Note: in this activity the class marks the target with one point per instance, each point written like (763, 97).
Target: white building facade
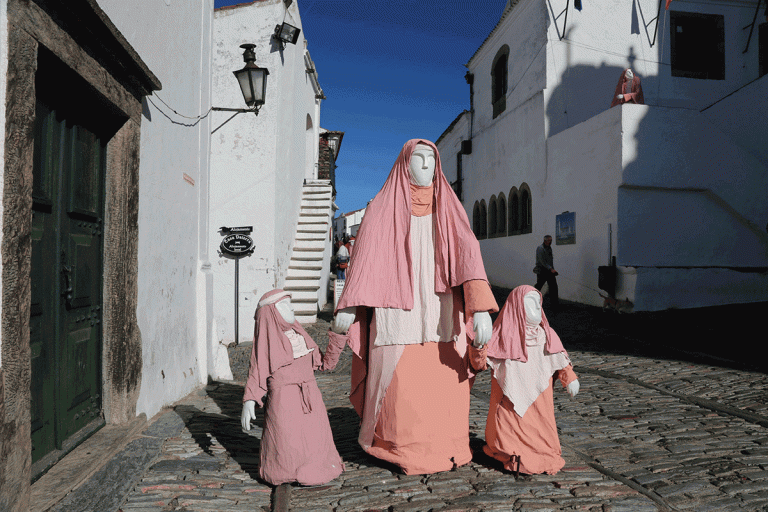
(672, 189)
(264, 168)
(106, 267)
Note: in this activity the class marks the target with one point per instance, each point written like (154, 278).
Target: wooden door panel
(65, 326)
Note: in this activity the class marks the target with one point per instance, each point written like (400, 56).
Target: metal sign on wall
(236, 241)
(565, 228)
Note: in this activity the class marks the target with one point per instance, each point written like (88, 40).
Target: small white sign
(338, 288)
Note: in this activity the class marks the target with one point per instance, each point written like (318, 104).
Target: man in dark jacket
(545, 270)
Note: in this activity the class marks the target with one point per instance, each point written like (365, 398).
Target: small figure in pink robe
(524, 353)
(297, 443)
(416, 290)
(628, 90)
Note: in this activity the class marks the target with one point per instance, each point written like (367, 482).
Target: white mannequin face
(422, 165)
(285, 308)
(532, 305)
(629, 75)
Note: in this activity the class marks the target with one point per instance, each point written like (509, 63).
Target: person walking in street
(545, 270)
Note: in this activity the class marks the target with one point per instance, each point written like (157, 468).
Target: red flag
(668, 2)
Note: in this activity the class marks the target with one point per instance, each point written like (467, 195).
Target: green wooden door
(65, 323)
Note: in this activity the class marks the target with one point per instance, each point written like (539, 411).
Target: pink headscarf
(271, 347)
(380, 271)
(636, 94)
(508, 338)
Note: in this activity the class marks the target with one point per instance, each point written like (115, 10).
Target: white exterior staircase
(308, 271)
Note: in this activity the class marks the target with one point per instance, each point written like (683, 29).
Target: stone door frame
(79, 34)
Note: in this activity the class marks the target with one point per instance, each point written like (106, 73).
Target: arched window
(526, 215)
(514, 212)
(492, 212)
(483, 220)
(499, 81)
(476, 219)
(501, 225)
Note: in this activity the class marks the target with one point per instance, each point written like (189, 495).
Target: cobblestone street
(643, 434)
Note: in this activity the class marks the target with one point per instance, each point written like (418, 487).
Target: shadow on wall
(583, 92)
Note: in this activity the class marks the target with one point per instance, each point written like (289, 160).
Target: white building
(673, 189)
(264, 170)
(106, 264)
(348, 223)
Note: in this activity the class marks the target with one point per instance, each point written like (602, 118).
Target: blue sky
(392, 71)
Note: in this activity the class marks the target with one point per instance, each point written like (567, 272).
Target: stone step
(306, 203)
(306, 319)
(316, 190)
(301, 284)
(311, 237)
(309, 245)
(311, 210)
(304, 298)
(303, 273)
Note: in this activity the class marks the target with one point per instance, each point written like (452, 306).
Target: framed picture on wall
(565, 230)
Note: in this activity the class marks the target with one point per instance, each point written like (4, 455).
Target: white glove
(573, 388)
(620, 96)
(483, 328)
(343, 320)
(249, 414)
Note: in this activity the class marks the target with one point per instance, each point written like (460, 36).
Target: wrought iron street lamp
(253, 84)
(252, 78)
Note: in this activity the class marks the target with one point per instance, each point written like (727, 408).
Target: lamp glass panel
(245, 86)
(259, 80)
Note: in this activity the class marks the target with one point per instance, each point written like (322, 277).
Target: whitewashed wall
(657, 186)
(449, 145)
(600, 42)
(511, 149)
(3, 72)
(174, 40)
(258, 163)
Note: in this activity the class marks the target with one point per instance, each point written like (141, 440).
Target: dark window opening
(698, 45)
(492, 217)
(499, 81)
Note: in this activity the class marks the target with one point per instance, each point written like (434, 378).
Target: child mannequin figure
(296, 444)
(524, 353)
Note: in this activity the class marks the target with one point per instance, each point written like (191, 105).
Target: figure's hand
(620, 96)
(249, 414)
(343, 320)
(573, 388)
(483, 328)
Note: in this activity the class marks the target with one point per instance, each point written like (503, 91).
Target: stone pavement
(656, 426)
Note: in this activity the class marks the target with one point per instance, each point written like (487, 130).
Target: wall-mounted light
(253, 84)
(252, 78)
(286, 33)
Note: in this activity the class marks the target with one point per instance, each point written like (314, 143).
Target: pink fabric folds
(271, 347)
(380, 271)
(634, 95)
(508, 338)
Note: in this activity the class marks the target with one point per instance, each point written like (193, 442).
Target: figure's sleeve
(336, 344)
(478, 357)
(253, 391)
(566, 375)
(478, 297)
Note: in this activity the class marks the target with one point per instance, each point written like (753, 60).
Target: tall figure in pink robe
(524, 354)
(416, 287)
(297, 443)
